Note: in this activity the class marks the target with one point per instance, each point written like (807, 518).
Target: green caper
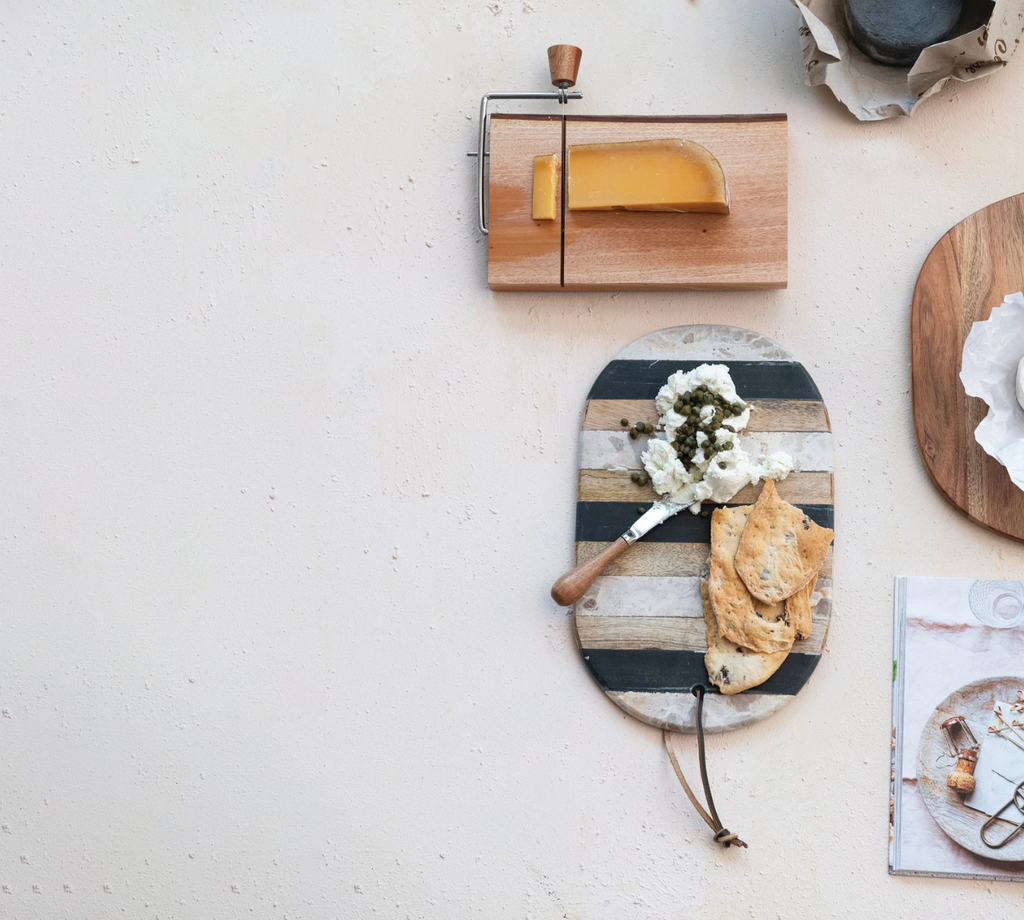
(633, 434)
(687, 397)
(722, 464)
(705, 514)
(708, 399)
(678, 405)
(624, 422)
(727, 445)
(644, 479)
(691, 441)
(640, 509)
(635, 477)
(674, 445)
(649, 428)
(685, 410)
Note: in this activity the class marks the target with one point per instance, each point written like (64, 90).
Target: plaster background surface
(283, 486)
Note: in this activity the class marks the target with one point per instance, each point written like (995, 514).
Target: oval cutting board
(640, 627)
(966, 274)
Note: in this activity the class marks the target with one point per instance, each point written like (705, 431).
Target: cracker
(742, 619)
(781, 548)
(798, 608)
(733, 668)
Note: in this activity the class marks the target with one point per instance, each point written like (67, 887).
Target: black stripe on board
(602, 522)
(753, 379)
(664, 670)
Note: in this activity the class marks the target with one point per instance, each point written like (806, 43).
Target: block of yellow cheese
(663, 175)
(545, 187)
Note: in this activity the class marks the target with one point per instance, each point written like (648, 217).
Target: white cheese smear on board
(715, 477)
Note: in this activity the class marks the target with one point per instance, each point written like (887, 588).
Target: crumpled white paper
(873, 91)
(992, 351)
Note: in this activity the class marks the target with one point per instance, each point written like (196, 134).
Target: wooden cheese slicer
(633, 226)
(564, 64)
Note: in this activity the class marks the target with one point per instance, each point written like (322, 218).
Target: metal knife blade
(660, 511)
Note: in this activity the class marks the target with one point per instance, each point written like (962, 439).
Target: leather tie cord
(722, 835)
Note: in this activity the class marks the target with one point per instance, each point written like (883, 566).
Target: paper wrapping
(873, 91)
(992, 351)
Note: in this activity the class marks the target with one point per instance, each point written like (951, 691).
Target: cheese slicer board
(968, 272)
(640, 627)
(639, 250)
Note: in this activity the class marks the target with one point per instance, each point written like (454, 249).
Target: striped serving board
(640, 627)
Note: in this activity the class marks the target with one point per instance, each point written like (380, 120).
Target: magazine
(958, 729)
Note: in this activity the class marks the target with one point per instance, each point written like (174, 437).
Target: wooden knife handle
(573, 585)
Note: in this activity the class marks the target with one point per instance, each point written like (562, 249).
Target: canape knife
(573, 584)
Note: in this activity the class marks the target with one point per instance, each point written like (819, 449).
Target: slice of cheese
(545, 187)
(663, 175)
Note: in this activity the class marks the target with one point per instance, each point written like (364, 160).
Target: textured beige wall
(283, 485)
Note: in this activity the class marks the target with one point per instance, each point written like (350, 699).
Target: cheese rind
(545, 187)
(661, 175)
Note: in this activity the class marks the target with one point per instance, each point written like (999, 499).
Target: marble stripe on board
(678, 711)
(615, 450)
(754, 380)
(652, 596)
(676, 670)
(707, 343)
(597, 521)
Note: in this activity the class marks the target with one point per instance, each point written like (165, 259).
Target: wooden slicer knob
(564, 63)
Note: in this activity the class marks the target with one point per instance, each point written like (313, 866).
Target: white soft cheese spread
(719, 467)
(1020, 383)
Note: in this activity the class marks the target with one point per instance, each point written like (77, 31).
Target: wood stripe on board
(754, 379)
(645, 558)
(767, 415)
(607, 520)
(664, 670)
(679, 633)
(810, 488)
(615, 450)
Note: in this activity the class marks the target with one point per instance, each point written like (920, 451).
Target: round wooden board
(968, 272)
(640, 627)
(962, 824)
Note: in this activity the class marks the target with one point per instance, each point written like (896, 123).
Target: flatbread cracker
(742, 619)
(731, 667)
(781, 548)
(798, 608)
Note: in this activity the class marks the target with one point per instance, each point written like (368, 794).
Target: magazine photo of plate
(962, 818)
(957, 754)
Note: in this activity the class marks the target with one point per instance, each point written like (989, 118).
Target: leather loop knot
(722, 834)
